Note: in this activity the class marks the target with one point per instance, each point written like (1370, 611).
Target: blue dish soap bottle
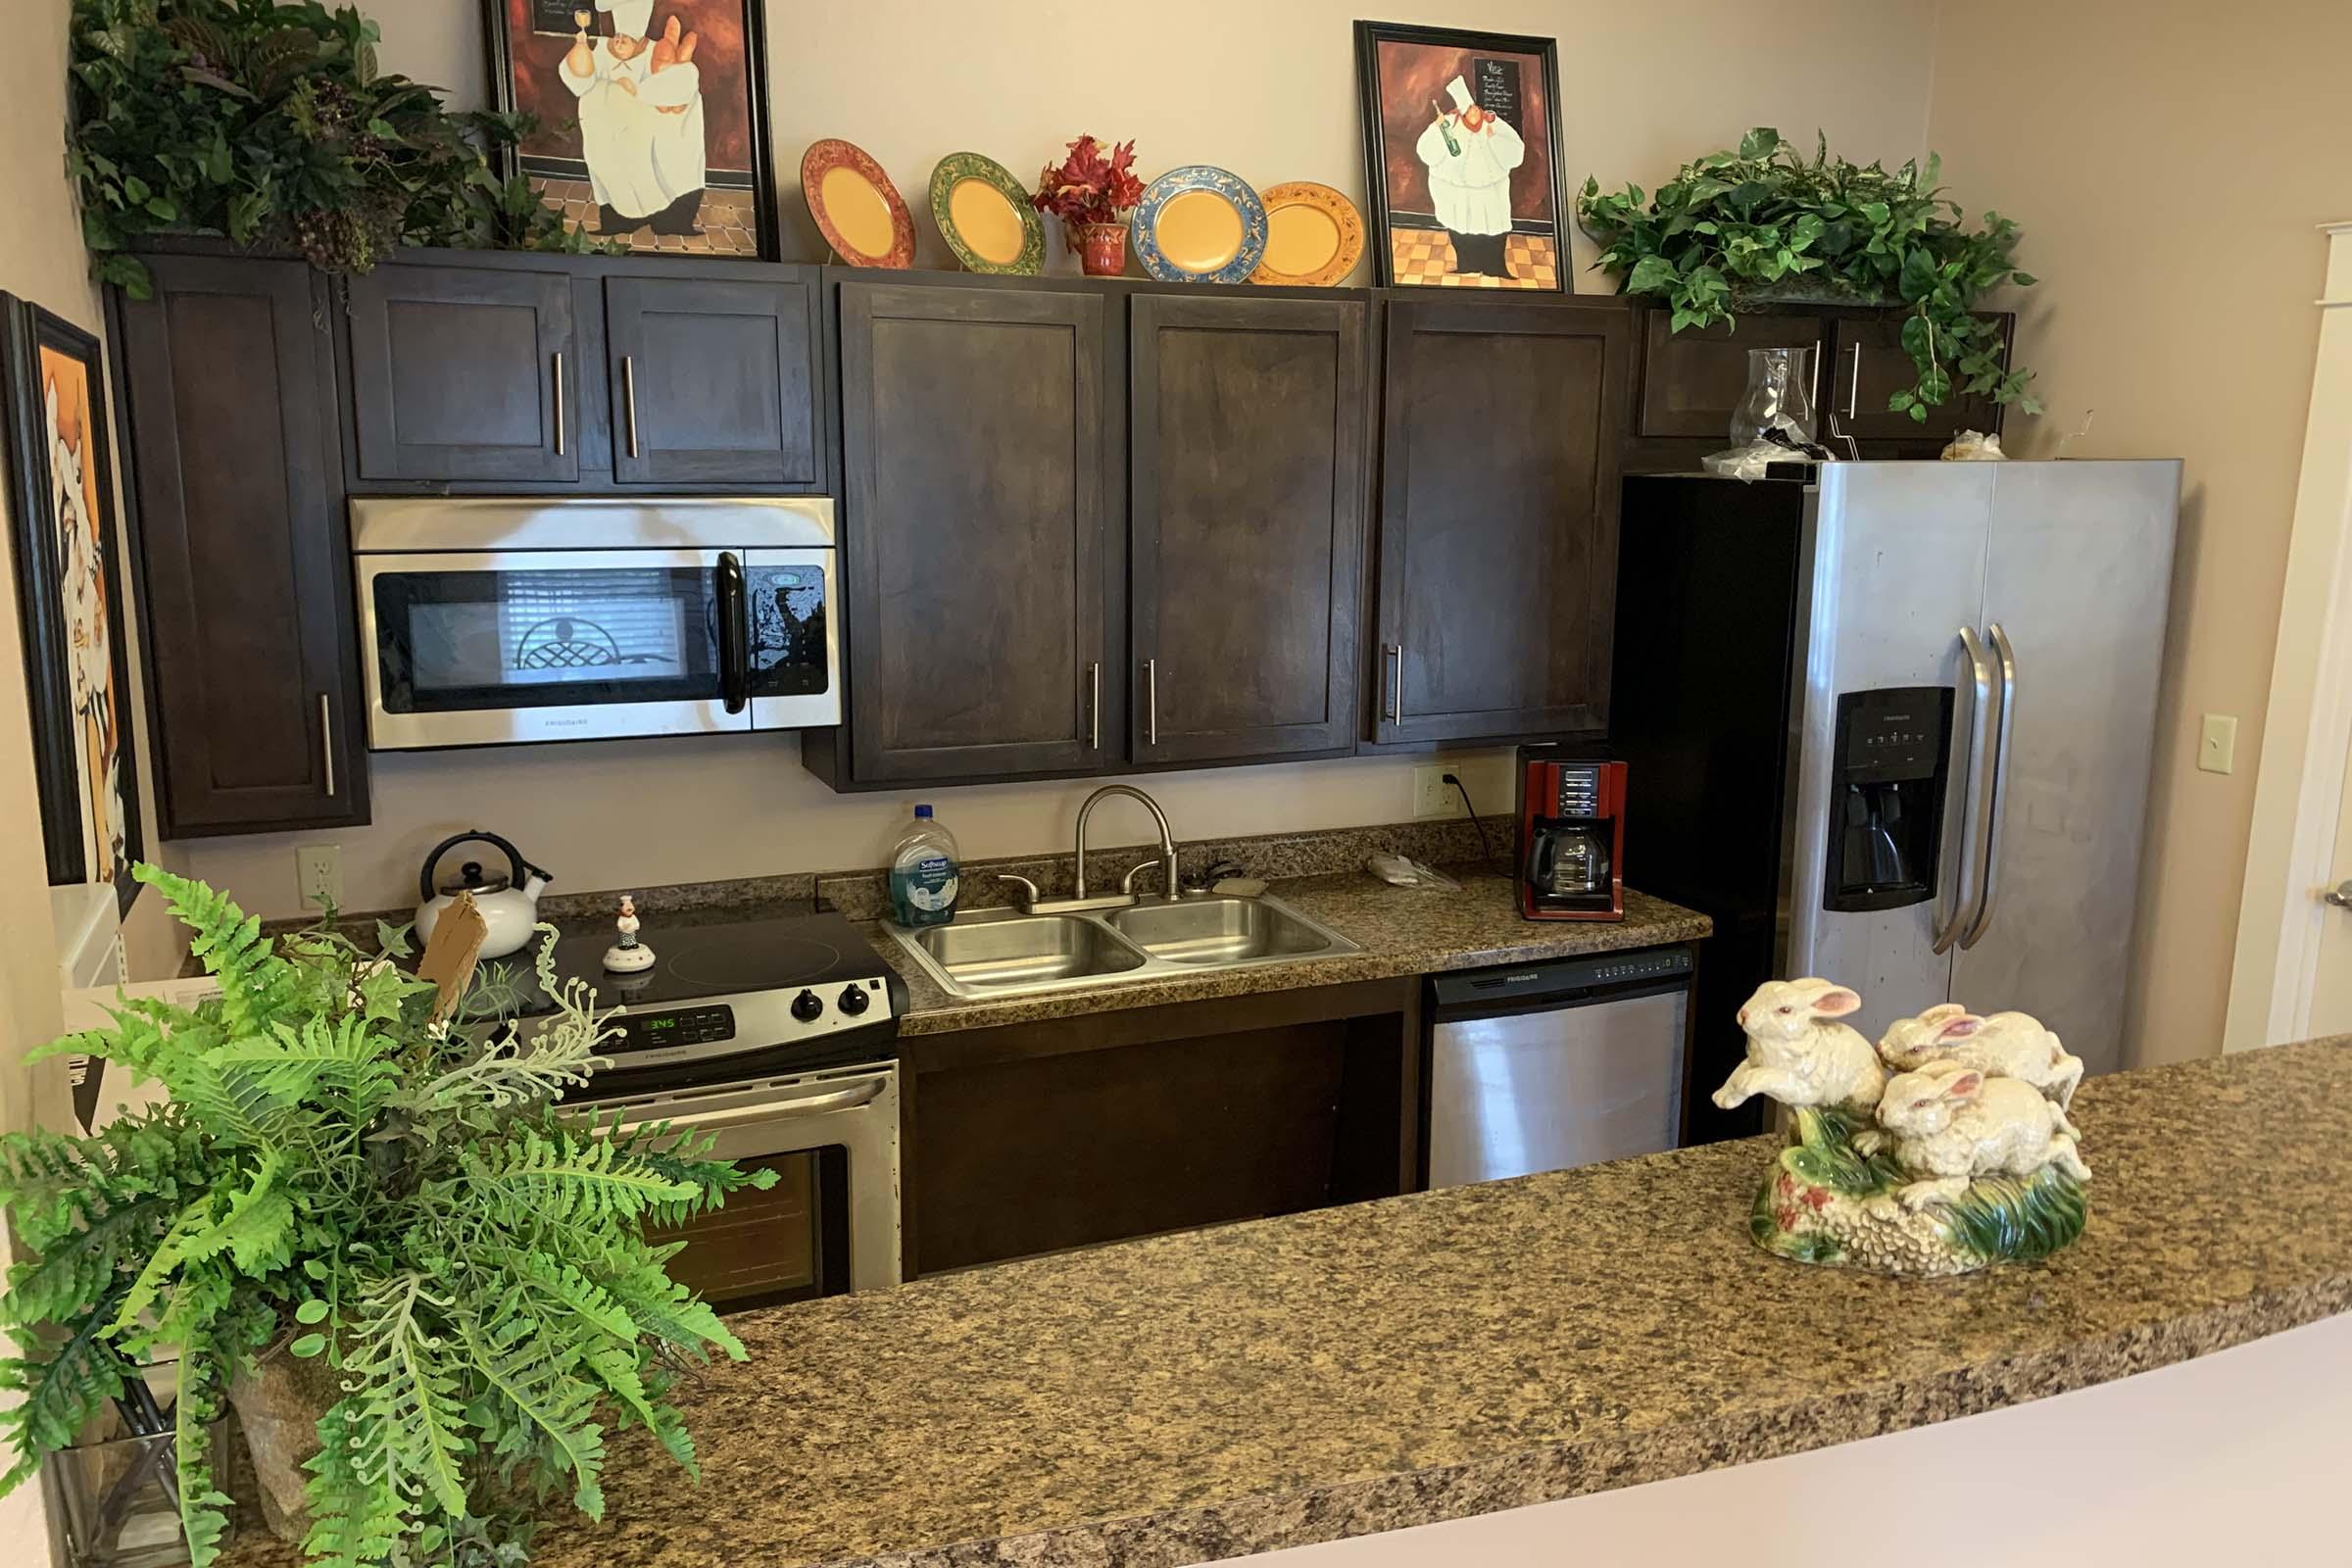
(922, 874)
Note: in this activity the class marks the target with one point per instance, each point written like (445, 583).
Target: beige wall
(2168, 160)
(1270, 95)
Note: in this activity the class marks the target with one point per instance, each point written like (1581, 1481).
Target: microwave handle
(734, 635)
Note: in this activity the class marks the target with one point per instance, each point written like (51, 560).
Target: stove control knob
(853, 1000)
(807, 1006)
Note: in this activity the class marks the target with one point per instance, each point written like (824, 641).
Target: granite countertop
(1402, 931)
(1351, 1370)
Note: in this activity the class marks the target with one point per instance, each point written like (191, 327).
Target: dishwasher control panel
(1564, 977)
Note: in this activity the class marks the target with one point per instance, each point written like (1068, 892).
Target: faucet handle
(1127, 882)
(1028, 895)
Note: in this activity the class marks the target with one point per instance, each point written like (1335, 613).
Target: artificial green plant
(270, 123)
(1765, 222)
(336, 1174)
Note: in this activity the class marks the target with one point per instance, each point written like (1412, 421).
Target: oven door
(477, 648)
(795, 676)
(829, 1225)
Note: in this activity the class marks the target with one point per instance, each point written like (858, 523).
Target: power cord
(1484, 847)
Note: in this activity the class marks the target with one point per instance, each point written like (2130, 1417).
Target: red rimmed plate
(857, 207)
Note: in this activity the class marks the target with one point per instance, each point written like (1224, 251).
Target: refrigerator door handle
(1975, 801)
(1990, 854)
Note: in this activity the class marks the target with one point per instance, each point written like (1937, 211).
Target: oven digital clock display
(660, 1030)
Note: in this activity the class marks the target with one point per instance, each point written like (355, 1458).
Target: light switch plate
(2217, 744)
(319, 875)
(1433, 797)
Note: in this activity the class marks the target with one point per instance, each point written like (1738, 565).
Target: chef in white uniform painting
(1470, 154)
(641, 121)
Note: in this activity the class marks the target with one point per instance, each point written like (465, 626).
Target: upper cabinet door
(1498, 518)
(972, 434)
(1246, 530)
(1693, 380)
(713, 381)
(1868, 364)
(236, 474)
(467, 374)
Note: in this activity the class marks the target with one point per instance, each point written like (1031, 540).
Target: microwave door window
(455, 641)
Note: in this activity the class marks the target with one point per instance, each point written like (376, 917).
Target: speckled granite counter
(1352, 1370)
(1402, 931)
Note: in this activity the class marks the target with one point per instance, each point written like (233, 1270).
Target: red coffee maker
(1571, 821)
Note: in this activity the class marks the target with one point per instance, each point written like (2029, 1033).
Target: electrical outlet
(2217, 744)
(1433, 797)
(319, 873)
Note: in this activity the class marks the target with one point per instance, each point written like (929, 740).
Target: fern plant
(335, 1174)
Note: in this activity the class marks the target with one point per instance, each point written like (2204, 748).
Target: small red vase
(1103, 249)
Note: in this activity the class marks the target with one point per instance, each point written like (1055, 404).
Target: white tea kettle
(509, 900)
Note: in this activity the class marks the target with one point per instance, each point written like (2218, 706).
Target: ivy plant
(333, 1174)
(271, 124)
(1765, 222)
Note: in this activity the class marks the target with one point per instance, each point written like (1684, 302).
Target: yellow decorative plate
(984, 216)
(1314, 236)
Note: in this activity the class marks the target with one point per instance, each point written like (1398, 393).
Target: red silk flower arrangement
(1089, 187)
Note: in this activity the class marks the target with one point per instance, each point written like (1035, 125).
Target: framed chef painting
(1462, 157)
(650, 117)
(76, 669)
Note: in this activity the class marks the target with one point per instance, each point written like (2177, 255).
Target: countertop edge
(1607, 1461)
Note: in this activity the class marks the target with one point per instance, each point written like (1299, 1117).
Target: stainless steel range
(780, 1037)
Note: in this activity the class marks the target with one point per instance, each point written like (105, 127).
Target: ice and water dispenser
(1887, 794)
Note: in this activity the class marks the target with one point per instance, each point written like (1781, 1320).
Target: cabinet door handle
(1392, 663)
(1151, 702)
(1853, 384)
(1094, 706)
(628, 398)
(327, 740)
(559, 402)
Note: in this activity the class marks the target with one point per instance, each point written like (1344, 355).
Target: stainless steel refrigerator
(1894, 727)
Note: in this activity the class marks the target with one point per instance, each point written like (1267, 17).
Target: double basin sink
(996, 953)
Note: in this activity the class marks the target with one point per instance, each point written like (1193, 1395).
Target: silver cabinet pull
(1975, 801)
(1151, 702)
(1853, 384)
(628, 398)
(1990, 856)
(327, 740)
(1392, 665)
(559, 402)
(2339, 894)
(1094, 706)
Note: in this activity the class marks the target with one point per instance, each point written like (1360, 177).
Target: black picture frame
(767, 220)
(36, 549)
(1369, 35)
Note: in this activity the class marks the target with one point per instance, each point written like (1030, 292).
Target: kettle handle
(519, 866)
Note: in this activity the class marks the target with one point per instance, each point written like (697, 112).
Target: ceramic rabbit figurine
(2007, 1045)
(1952, 1124)
(1799, 1055)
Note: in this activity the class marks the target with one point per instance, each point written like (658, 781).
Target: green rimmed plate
(985, 217)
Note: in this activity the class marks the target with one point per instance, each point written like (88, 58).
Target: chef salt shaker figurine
(628, 954)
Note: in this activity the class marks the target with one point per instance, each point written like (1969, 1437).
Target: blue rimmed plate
(1199, 224)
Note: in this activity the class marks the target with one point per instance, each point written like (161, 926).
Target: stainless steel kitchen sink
(998, 952)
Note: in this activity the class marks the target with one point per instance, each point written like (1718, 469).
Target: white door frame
(2308, 728)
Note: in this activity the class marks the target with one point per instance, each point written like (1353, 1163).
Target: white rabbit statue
(1952, 1123)
(2007, 1045)
(1800, 1053)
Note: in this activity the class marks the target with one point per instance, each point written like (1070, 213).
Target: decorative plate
(1314, 236)
(857, 207)
(984, 215)
(1199, 224)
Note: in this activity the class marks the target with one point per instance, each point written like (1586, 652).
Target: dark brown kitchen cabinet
(1692, 380)
(236, 470)
(1867, 363)
(1247, 490)
(466, 373)
(714, 381)
(1497, 536)
(974, 499)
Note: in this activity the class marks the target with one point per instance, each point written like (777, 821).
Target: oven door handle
(854, 1097)
(734, 635)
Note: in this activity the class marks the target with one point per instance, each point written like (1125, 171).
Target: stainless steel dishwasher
(1561, 1063)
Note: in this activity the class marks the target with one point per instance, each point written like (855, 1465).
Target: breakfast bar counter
(1352, 1370)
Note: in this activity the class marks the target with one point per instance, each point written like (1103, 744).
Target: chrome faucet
(1167, 841)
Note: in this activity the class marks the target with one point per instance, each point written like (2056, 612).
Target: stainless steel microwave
(487, 622)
